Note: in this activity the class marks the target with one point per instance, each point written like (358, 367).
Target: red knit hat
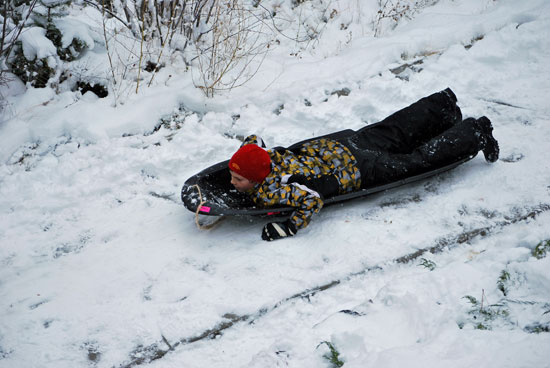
(251, 162)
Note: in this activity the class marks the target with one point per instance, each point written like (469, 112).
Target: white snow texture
(102, 266)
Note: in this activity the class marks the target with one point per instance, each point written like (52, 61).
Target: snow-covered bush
(36, 49)
(541, 249)
(34, 57)
(223, 42)
(13, 18)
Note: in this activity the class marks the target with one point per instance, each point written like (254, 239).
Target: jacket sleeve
(325, 185)
(305, 202)
(253, 139)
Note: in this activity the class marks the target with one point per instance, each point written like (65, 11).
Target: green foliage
(69, 53)
(333, 355)
(98, 89)
(485, 316)
(17, 3)
(537, 328)
(541, 249)
(37, 72)
(44, 12)
(471, 299)
(482, 316)
(481, 326)
(502, 281)
(430, 265)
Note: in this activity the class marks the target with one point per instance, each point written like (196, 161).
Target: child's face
(241, 183)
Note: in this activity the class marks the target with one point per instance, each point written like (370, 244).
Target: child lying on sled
(424, 136)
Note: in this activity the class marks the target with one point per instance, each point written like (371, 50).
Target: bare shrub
(391, 12)
(149, 28)
(228, 56)
(227, 38)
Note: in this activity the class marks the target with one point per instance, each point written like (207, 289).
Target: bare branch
(104, 10)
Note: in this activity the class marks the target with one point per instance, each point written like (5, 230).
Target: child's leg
(458, 142)
(412, 126)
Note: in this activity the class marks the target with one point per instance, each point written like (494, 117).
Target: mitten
(278, 230)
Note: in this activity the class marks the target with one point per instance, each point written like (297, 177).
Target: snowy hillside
(102, 266)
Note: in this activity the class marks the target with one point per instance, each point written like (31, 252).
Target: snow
(35, 44)
(72, 28)
(100, 264)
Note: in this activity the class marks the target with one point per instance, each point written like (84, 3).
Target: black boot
(450, 93)
(489, 143)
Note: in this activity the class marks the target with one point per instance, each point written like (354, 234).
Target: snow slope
(102, 266)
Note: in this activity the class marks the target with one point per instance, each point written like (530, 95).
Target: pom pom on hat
(251, 162)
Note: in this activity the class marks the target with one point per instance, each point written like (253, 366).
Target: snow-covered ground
(101, 265)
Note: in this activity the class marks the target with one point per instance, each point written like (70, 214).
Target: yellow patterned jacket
(314, 159)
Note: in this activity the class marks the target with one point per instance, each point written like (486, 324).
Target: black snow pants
(424, 136)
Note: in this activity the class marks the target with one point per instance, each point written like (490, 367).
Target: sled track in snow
(146, 354)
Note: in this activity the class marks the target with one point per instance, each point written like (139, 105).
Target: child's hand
(278, 230)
